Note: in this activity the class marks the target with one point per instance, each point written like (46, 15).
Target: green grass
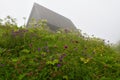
(39, 54)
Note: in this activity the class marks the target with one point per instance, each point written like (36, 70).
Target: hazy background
(94, 17)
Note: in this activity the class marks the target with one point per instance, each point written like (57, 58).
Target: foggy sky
(94, 17)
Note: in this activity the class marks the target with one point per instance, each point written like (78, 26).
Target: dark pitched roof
(54, 20)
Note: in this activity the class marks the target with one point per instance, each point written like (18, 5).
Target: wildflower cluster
(18, 33)
(38, 54)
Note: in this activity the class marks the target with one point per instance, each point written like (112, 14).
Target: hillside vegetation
(40, 54)
(117, 47)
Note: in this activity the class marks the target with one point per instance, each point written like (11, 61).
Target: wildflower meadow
(38, 53)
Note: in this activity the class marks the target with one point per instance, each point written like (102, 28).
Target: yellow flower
(85, 60)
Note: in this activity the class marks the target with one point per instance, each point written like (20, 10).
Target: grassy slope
(38, 54)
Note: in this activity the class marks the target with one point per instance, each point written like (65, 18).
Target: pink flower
(65, 47)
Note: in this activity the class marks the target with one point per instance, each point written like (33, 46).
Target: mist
(94, 17)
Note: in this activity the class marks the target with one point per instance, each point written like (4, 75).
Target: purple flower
(65, 47)
(61, 57)
(39, 49)
(58, 65)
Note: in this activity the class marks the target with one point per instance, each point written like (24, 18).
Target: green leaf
(25, 51)
(65, 77)
(15, 59)
(21, 77)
